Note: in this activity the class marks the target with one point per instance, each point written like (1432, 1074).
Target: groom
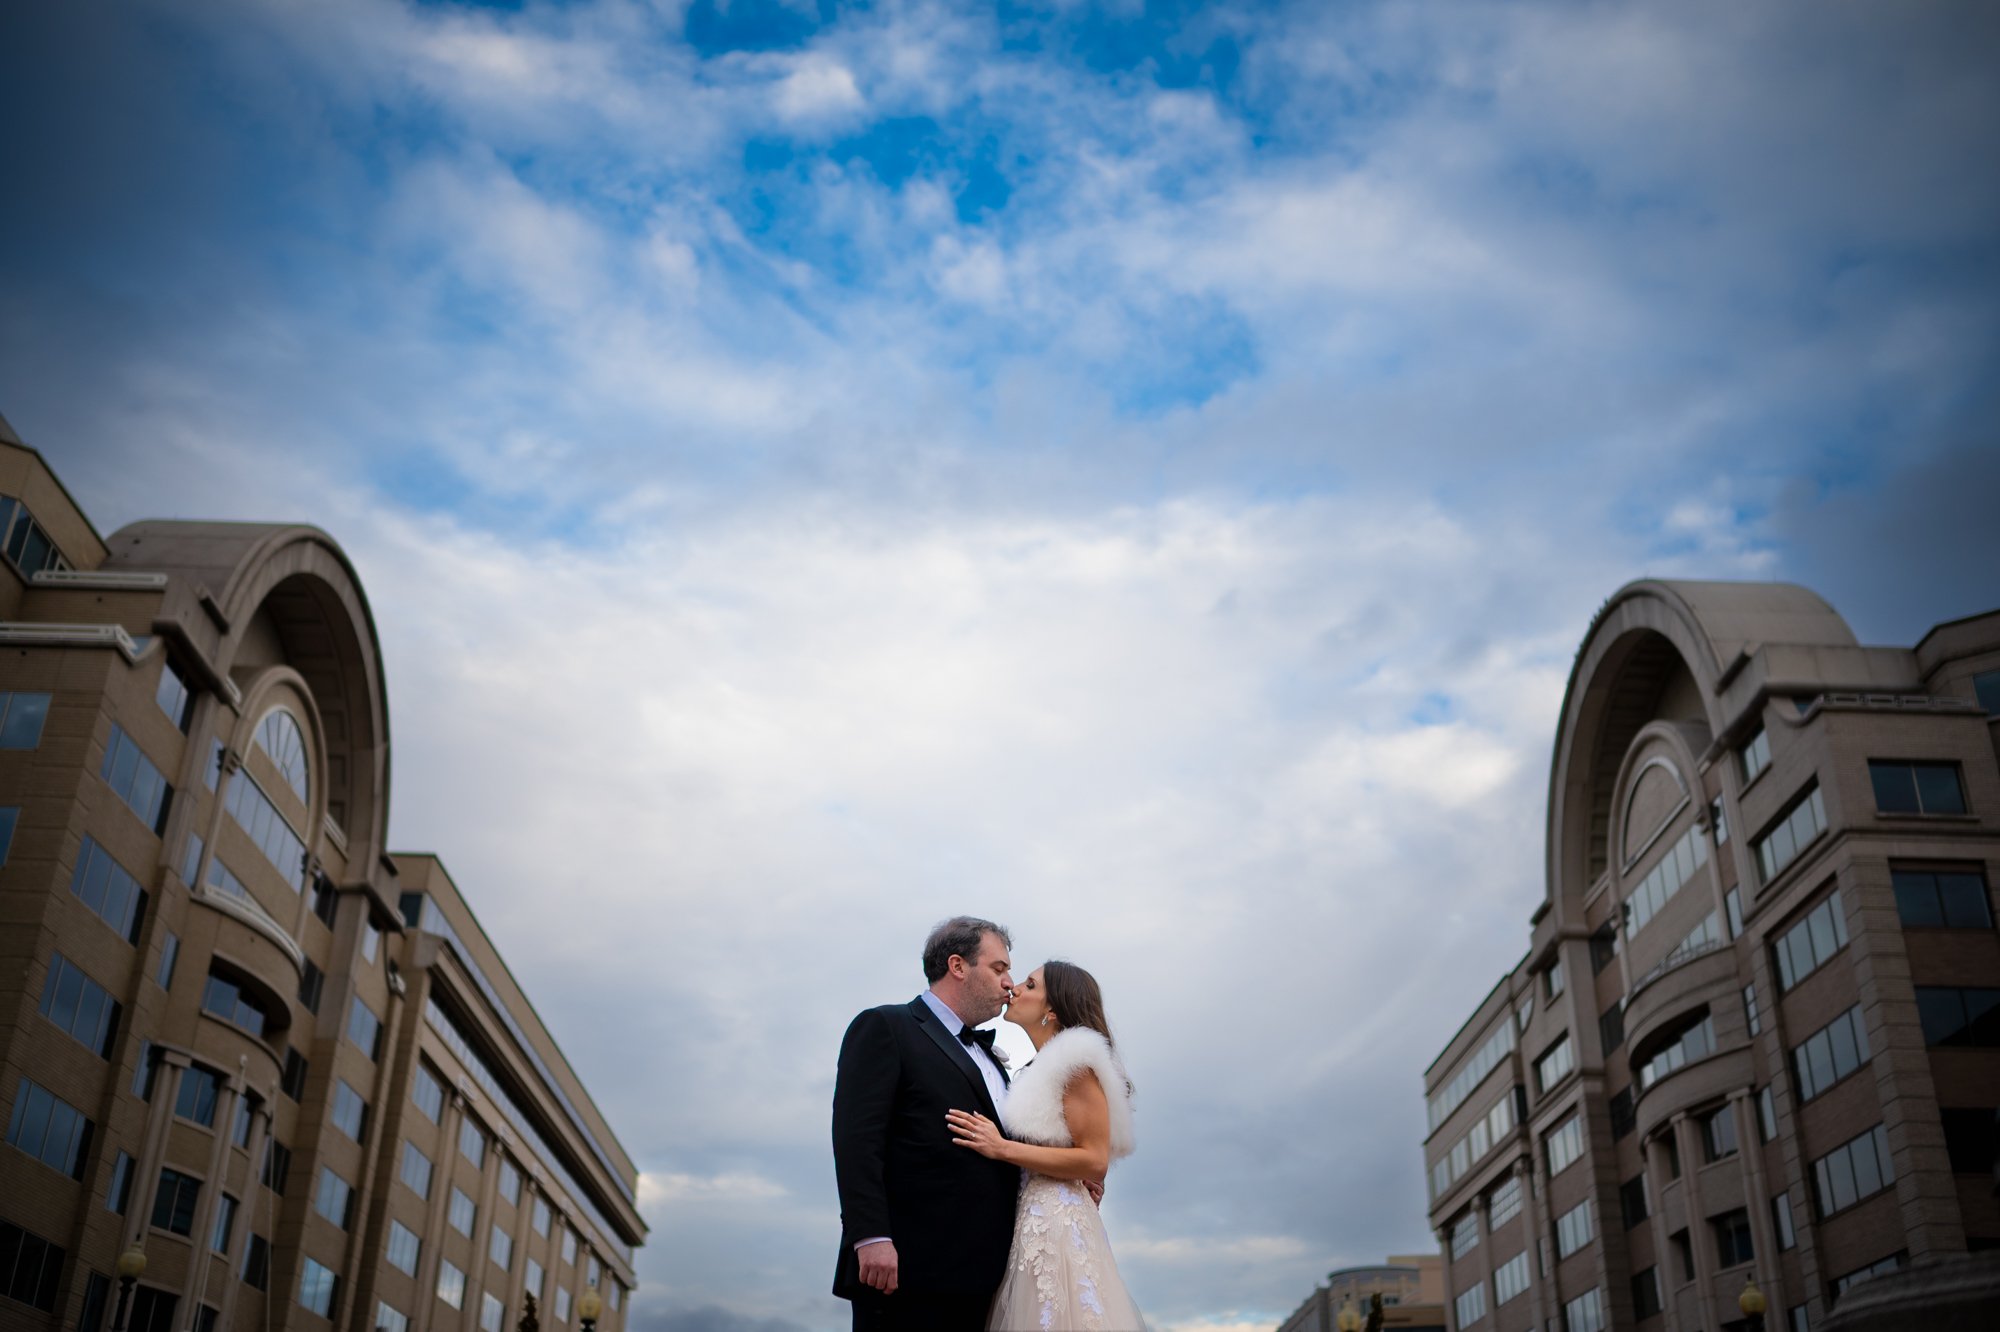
(925, 1226)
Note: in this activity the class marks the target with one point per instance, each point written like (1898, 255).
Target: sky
(1138, 472)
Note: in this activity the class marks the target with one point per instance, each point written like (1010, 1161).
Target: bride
(1069, 1115)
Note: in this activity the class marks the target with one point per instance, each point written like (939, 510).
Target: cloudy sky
(1137, 471)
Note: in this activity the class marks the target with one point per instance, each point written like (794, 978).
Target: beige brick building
(236, 1032)
(1756, 1034)
(1411, 1287)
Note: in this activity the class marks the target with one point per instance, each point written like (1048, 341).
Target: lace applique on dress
(1061, 1276)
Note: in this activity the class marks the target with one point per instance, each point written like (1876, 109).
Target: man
(925, 1225)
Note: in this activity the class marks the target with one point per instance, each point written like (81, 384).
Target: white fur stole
(1034, 1110)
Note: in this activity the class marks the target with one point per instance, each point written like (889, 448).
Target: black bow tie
(976, 1036)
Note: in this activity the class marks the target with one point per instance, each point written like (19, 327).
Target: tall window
(21, 718)
(49, 1129)
(260, 819)
(1471, 1305)
(316, 1287)
(130, 774)
(9, 816)
(1830, 1054)
(1804, 948)
(1857, 1169)
(462, 1211)
(428, 1094)
(333, 1198)
(1573, 1229)
(1754, 756)
(416, 1170)
(1504, 1203)
(1585, 1313)
(350, 1112)
(1646, 1293)
(1564, 1144)
(364, 1028)
(1916, 788)
(1718, 1133)
(174, 1202)
(451, 1284)
(1677, 865)
(403, 1248)
(279, 736)
(1803, 821)
(173, 697)
(1634, 1200)
(1554, 1065)
(1464, 1235)
(101, 884)
(1732, 1238)
(1510, 1278)
(196, 1101)
(79, 1006)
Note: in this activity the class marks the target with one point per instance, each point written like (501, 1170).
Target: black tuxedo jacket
(949, 1210)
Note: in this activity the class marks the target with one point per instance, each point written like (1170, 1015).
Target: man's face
(988, 980)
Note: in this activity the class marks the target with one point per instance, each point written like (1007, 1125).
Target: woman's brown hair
(1076, 1000)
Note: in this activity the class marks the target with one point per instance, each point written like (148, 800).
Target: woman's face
(1030, 1001)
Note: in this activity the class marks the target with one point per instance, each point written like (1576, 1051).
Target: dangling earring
(1045, 1019)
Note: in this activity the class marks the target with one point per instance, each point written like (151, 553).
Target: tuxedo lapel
(954, 1050)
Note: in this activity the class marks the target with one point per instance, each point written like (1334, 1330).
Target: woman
(1069, 1115)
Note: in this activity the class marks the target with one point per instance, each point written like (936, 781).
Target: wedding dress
(1060, 1273)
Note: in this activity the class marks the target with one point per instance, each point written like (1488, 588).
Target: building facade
(237, 1034)
(1756, 1035)
(1411, 1287)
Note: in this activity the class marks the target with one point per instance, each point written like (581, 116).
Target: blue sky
(1138, 471)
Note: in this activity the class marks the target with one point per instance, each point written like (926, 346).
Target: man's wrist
(878, 1239)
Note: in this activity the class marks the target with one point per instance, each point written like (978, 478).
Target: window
(174, 1202)
(1805, 948)
(80, 1007)
(534, 1286)
(1634, 1200)
(312, 984)
(1603, 948)
(1471, 1305)
(28, 546)
(1750, 1016)
(257, 1263)
(152, 1310)
(510, 1182)
(350, 1112)
(371, 942)
(1573, 1229)
(278, 735)
(471, 1142)
(1854, 1170)
(1677, 865)
(199, 1091)
(316, 1286)
(569, 1247)
(224, 997)
(1754, 755)
(225, 1219)
(1466, 1081)
(293, 1081)
(1684, 1251)
(1718, 1133)
(388, 1318)
(1646, 1293)
(239, 1132)
(542, 1217)
(562, 1304)
(416, 1170)
(403, 1248)
(1554, 1064)
(614, 1296)
(137, 782)
(333, 1197)
(1732, 903)
(491, 1312)
(32, 1273)
(1721, 824)
(326, 900)
(9, 816)
(1841, 1285)
(1767, 1115)
(1942, 899)
(170, 953)
(1585, 1313)
(49, 1129)
(1830, 1054)
(1732, 1238)
(1986, 688)
(1464, 1235)
(462, 1212)
(277, 1165)
(1803, 820)
(1623, 1121)
(96, 1296)
(1673, 1156)
(364, 1028)
(451, 1284)
(1504, 1203)
(1959, 1016)
(1695, 1042)
(427, 1094)
(1781, 1220)
(103, 886)
(267, 828)
(1916, 788)
(1796, 1319)
(500, 1248)
(1509, 1279)
(21, 717)
(1552, 979)
(590, 1269)
(1564, 1144)
(1971, 1139)
(173, 697)
(118, 1194)
(1526, 1012)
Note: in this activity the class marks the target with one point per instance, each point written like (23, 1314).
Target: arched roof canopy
(1639, 643)
(227, 576)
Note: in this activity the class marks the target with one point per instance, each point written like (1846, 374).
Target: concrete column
(1450, 1292)
(159, 1119)
(1688, 1140)
(1542, 1228)
(517, 1271)
(434, 1223)
(239, 1244)
(482, 1233)
(1763, 1233)
(196, 1283)
(1657, 1178)
(1524, 1176)
(1480, 1215)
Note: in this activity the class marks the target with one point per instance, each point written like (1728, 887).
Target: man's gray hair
(958, 937)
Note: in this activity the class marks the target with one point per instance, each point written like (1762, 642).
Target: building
(1411, 1287)
(1754, 1035)
(236, 1033)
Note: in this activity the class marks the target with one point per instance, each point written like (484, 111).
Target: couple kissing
(968, 1198)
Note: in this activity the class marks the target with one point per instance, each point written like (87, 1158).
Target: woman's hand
(974, 1130)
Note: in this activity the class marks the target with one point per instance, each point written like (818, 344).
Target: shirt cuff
(878, 1239)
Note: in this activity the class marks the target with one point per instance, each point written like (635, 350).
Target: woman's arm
(1086, 1112)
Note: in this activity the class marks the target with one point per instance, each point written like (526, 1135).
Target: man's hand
(878, 1265)
(1095, 1188)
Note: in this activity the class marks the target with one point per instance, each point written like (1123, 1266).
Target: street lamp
(131, 1266)
(1350, 1318)
(588, 1308)
(1751, 1302)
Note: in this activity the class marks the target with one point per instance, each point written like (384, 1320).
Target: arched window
(279, 736)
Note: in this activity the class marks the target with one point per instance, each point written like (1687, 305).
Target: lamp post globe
(131, 1266)
(1751, 1302)
(588, 1308)
(1350, 1318)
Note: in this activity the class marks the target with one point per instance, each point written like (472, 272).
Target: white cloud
(818, 88)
